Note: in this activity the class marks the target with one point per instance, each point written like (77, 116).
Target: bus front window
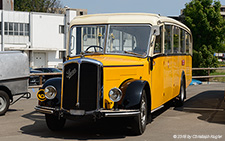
(128, 39)
(87, 39)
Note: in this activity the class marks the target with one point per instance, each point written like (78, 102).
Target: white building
(222, 11)
(41, 35)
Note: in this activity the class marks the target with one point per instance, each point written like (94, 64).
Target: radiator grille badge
(70, 73)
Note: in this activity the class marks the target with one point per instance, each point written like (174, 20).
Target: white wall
(45, 31)
(1, 44)
(43, 35)
(16, 17)
(53, 60)
(71, 14)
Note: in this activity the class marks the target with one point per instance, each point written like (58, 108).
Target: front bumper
(97, 113)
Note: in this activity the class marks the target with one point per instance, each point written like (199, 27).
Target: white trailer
(14, 77)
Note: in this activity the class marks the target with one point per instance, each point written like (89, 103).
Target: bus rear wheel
(179, 100)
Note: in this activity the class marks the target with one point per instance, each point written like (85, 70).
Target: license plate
(77, 112)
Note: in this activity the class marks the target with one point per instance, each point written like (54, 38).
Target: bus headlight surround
(50, 92)
(115, 94)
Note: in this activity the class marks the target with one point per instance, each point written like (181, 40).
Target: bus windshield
(87, 39)
(127, 39)
(121, 39)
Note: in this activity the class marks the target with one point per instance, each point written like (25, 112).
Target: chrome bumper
(102, 112)
(45, 110)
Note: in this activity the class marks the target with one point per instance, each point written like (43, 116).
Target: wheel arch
(149, 99)
(5, 89)
(132, 90)
(56, 82)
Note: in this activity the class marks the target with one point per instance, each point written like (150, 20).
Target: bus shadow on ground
(82, 129)
(209, 104)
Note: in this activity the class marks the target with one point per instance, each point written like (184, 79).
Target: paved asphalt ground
(201, 118)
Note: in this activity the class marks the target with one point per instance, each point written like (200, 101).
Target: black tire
(54, 123)
(179, 100)
(4, 102)
(140, 121)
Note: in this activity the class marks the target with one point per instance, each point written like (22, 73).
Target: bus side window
(190, 46)
(182, 41)
(176, 40)
(158, 43)
(168, 39)
(187, 38)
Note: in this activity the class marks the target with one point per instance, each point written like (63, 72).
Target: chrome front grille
(70, 85)
(82, 82)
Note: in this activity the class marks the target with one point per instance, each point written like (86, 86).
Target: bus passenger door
(157, 72)
(168, 78)
(157, 81)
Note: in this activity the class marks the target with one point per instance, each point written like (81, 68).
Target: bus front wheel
(140, 121)
(54, 123)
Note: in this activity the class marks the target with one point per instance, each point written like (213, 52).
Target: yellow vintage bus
(119, 65)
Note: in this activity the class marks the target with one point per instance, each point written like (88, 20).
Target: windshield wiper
(90, 52)
(133, 53)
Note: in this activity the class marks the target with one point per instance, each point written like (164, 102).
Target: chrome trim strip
(125, 114)
(44, 110)
(125, 65)
(80, 60)
(78, 86)
(105, 113)
(157, 108)
(98, 86)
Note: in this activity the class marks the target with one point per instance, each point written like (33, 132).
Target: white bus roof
(124, 18)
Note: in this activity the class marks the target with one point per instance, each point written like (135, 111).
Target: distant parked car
(49, 70)
(34, 80)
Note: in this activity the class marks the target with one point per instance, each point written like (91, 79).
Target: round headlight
(115, 94)
(50, 92)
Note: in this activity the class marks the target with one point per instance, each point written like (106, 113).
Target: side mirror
(151, 64)
(155, 30)
(85, 37)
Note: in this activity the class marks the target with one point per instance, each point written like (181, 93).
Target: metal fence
(208, 69)
(193, 69)
(41, 78)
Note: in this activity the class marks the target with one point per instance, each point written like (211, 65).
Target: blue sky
(162, 7)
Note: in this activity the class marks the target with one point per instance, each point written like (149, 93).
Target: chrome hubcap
(143, 112)
(182, 94)
(2, 103)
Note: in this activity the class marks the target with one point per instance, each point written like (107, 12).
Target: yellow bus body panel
(164, 80)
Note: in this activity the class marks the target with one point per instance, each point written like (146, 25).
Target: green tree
(208, 29)
(50, 6)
